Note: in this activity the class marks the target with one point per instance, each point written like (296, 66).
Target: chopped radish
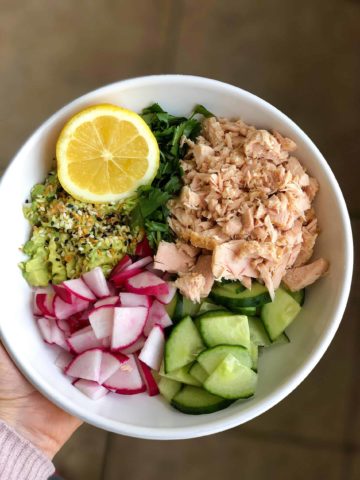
(110, 363)
(79, 288)
(82, 331)
(63, 359)
(96, 281)
(112, 289)
(134, 300)
(63, 293)
(45, 303)
(157, 314)
(148, 378)
(143, 248)
(124, 262)
(101, 320)
(86, 365)
(84, 341)
(147, 283)
(167, 298)
(120, 278)
(91, 389)
(127, 379)
(58, 336)
(36, 310)
(135, 347)
(153, 350)
(64, 310)
(139, 263)
(44, 325)
(64, 326)
(107, 301)
(155, 271)
(106, 342)
(128, 326)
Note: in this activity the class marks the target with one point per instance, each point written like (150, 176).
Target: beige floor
(301, 56)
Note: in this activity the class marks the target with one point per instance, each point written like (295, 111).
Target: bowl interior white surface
(281, 368)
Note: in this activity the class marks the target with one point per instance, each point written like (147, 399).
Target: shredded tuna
(301, 277)
(247, 200)
(173, 258)
(191, 285)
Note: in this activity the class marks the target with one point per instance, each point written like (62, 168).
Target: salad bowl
(282, 369)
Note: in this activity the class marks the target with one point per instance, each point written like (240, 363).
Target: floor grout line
(106, 456)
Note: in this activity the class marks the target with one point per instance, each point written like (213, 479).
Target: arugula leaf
(151, 212)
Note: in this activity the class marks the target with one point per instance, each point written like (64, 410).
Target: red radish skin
(165, 299)
(85, 341)
(101, 320)
(134, 300)
(143, 248)
(157, 315)
(82, 331)
(120, 279)
(106, 343)
(153, 350)
(112, 289)
(143, 262)
(135, 347)
(146, 283)
(63, 293)
(96, 281)
(65, 310)
(127, 379)
(79, 289)
(36, 310)
(124, 262)
(44, 302)
(86, 365)
(110, 363)
(91, 389)
(128, 326)
(64, 326)
(149, 380)
(112, 301)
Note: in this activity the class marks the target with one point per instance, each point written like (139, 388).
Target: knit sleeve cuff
(20, 459)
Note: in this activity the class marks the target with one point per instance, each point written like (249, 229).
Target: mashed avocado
(70, 237)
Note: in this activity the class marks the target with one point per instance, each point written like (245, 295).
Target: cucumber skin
(199, 410)
(237, 303)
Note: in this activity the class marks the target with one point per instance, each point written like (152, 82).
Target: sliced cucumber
(168, 388)
(208, 305)
(190, 308)
(211, 358)
(298, 296)
(222, 328)
(171, 307)
(178, 309)
(278, 314)
(282, 339)
(258, 333)
(250, 311)
(196, 401)
(232, 380)
(254, 354)
(183, 345)
(180, 375)
(231, 296)
(198, 372)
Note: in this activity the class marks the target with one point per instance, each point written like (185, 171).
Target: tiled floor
(301, 56)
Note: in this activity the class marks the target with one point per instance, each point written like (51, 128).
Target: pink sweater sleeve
(19, 459)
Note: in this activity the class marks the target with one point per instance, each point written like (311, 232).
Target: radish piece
(101, 320)
(76, 322)
(106, 342)
(134, 300)
(112, 301)
(128, 326)
(44, 325)
(96, 281)
(112, 289)
(63, 359)
(110, 363)
(79, 288)
(45, 303)
(58, 336)
(127, 379)
(124, 262)
(153, 350)
(147, 283)
(139, 263)
(63, 293)
(167, 298)
(83, 330)
(84, 341)
(120, 278)
(64, 326)
(64, 310)
(36, 310)
(143, 248)
(150, 268)
(91, 389)
(135, 347)
(86, 365)
(149, 380)
(157, 314)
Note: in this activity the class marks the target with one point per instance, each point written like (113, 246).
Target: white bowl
(281, 369)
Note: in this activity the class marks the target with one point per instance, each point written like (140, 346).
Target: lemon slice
(104, 153)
